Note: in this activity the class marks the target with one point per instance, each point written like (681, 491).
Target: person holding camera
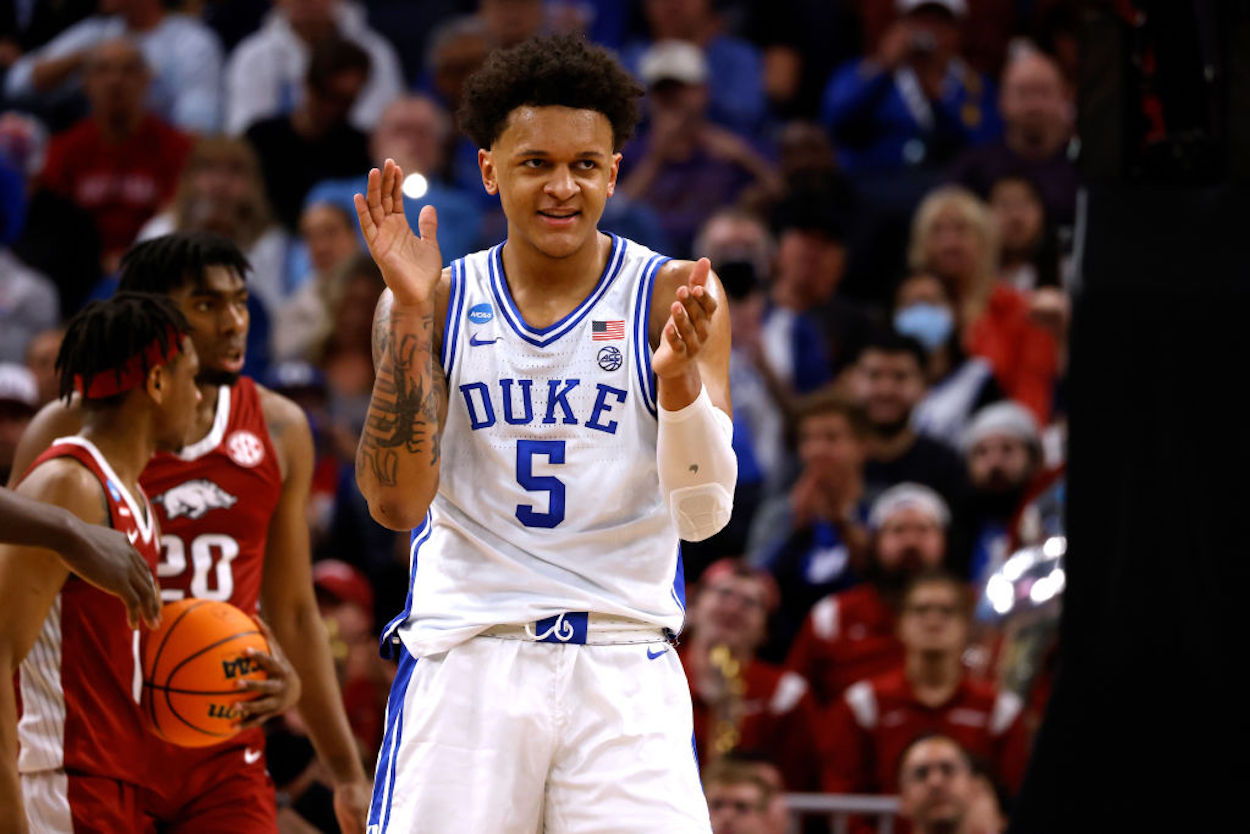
(914, 103)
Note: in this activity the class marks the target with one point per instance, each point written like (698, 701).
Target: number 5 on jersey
(553, 451)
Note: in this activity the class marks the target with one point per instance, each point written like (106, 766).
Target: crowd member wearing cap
(851, 635)
(811, 538)
(687, 166)
(742, 704)
(19, 399)
(871, 725)
(913, 102)
(1003, 451)
(888, 382)
(736, 75)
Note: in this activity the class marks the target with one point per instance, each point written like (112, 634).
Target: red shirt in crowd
(847, 637)
(779, 722)
(1024, 355)
(876, 719)
(121, 185)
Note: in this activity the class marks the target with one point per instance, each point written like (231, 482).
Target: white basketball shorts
(514, 736)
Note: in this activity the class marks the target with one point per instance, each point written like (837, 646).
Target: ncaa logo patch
(245, 449)
(610, 358)
(481, 313)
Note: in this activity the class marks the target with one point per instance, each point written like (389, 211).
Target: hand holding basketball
(276, 692)
(410, 265)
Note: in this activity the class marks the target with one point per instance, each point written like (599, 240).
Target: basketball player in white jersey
(551, 416)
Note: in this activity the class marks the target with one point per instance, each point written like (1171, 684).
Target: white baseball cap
(908, 496)
(17, 385)
(1005, 418)
(958, 8)
(673, 60)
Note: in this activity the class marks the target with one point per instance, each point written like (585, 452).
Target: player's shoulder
(66, 482)
(280, 412)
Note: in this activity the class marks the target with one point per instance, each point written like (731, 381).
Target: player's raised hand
(275, 693)
(410, 264)
(689, 320)
(106, 559)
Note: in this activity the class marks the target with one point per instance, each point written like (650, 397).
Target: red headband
(132, 372)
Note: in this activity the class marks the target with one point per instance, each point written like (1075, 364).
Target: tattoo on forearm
(407, 400)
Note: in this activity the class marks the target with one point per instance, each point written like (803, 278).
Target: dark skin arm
(99, 555)
(290, 607)
(30, 579)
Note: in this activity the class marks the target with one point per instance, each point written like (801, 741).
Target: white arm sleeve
(698, 469)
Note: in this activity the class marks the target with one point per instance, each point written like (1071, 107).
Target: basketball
(192, 665)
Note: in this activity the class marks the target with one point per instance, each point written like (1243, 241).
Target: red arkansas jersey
(215, 499)
(847, 637)
(79, 686)
(871, 726)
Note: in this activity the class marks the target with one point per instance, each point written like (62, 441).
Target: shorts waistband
(581, 628)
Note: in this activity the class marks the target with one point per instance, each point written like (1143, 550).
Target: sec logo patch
(245, 448)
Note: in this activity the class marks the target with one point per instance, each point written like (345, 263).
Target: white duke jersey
(549, 496)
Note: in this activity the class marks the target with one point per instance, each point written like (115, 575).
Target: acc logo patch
(610, 358)
(245, 448)
(481, 313)
(194, 498)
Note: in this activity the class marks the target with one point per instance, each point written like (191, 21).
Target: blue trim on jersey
(455, 306)
(679, 580)
(386, 643)
(503, 297)
(642, 343)
(384, 780)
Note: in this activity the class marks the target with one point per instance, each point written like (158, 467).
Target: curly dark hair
(562, 70)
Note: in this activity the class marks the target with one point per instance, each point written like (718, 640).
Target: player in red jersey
(68, 645)
(233, 506)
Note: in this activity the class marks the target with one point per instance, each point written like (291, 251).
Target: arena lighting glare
(415, 186)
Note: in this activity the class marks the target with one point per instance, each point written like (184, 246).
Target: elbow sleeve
(697, 467)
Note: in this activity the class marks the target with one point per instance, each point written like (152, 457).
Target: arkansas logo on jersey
(195, 498)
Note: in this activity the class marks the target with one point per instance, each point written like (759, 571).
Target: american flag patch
(603, 331)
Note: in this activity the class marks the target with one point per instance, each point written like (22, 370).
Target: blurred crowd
(886, 189)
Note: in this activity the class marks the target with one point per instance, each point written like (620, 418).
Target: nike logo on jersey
(133, 535)
(194, 498)
(653, 655)
(251, 756)
(475, 341)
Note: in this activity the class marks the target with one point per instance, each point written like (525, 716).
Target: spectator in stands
(735, 79)
(416, 131)
(221, 190)
(936, 786)
(345, 353)
(853, 634)
(813, 539)
(329, 232)
(19, 399)
(508, 22)
(28, 304)
(1003, 450)
(958, 385)
(871, 726)
(266, 72)
(888, 382)
(1040, 116)
(741, 703)
(914, 102)
(28, 26)
(457, 48)
(40, 360)
(183, 54)
(738, 798)
(811, 262)
(49, 218)
(953, 237)
(315, 141)
(1028, 252)
(683, 166)
(122, 163)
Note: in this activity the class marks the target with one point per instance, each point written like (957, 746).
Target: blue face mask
(928, 324)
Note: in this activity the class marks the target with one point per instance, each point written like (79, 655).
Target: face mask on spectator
(929, 324)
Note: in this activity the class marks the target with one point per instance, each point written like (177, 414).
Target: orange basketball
(191, 668)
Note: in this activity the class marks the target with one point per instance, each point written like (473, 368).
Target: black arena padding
(1148, 729)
